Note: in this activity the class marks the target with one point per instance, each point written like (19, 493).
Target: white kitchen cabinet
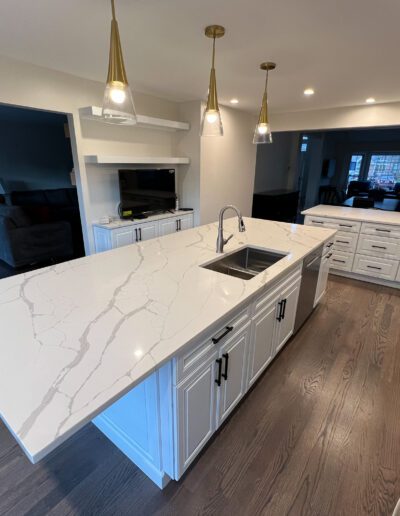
(263, 343)
(185, 222)
(122, 237)
(233, 373)
(168, 226)
(195, 407)
(147, 231)
(322, 277)
(287, 314)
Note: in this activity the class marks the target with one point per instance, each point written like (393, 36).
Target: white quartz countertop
(77, 336)
(359, 214)
(121, 223)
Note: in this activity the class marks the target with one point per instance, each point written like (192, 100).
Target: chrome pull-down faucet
(221, 241)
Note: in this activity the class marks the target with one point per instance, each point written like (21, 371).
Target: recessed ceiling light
(234, 101)
(370, 100)
(309, 91)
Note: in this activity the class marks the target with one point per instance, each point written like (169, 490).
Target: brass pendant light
(211, 124)
(263, 134)
(118, 104)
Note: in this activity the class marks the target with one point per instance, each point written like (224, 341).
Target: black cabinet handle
(329, 245)
(340, 261)
(342, 241)
(225, 374)
(283, 308)
(179, 224)
(378, 246)
(136, 235)
(383, 230)
(317, 221)
(346, 225)
(228, 329)
(218, 380)
(372, 267)
(279, 318)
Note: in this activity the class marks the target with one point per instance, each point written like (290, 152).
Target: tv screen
(148, 190)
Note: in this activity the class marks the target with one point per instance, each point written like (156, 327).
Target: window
(384, 170)
(304, 144)
(355, 167)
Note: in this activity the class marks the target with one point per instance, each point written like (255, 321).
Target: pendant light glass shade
(211, 124)
(118, 104)
(262, 133)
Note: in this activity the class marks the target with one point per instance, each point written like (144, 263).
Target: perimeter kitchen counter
(77, 336)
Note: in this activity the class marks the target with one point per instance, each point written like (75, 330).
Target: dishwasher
(308, 287)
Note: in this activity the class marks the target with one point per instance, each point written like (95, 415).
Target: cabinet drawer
(341, 260)
(265, 298)
(376, 267)
(384, 230)
(199, 353)
(379, 246)
(339, 224)
(346, 241)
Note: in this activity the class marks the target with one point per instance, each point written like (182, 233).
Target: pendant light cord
(113, 9)
(266, 83)
(213, 53)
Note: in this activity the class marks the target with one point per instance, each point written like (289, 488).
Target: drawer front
(199, 353)
(379, 246)
(339, 224)
(265, 299)
(346, 241)
(375, 267)
(341, 260)
(384, 230)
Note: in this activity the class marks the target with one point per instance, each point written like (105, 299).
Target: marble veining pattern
(357, 214)
(77, 336)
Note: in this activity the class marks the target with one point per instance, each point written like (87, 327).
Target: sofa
(50, 220)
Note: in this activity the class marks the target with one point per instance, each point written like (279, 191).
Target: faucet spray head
(242, 227)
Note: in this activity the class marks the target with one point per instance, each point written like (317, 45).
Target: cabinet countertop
(357, 214)
(78, 335)
(120, 223)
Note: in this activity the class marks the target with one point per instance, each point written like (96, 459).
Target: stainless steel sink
(245, 263)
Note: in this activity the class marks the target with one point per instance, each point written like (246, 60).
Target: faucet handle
(226, 240)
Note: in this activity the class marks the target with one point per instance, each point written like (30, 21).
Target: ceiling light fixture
(234, 101)
(211, 124)
(263, 134)
(308, 92)
(370, 100)
(118, 104)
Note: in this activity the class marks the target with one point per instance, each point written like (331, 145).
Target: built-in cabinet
(199, 389)
(121, 233)
(363, 250)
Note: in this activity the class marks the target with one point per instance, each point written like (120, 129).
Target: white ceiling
(346, 50)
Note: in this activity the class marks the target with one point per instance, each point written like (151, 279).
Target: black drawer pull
(329, 245)
(218, 379)
(283, 308)
(346, 225)
(378, 246)
(328, 256)
(317, 221)
(279, 318)
(336, 260)
(342, 241)
(383, 230)
(225, 374)
(372, 267)
(228, 329)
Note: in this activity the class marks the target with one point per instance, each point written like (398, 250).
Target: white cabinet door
(322, 278)
(147, 231)
(262, 340)
(168, 226)
(196, 413)
(123, 236)
(285, 325)
(233, 373)
(185, 222)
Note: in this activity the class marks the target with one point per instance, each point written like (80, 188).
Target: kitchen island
(138, 339)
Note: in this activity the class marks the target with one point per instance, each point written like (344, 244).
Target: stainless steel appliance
(308, 287)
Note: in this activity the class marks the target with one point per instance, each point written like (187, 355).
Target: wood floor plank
(318, 435)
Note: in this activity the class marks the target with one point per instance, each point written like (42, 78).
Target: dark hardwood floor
(318, 435)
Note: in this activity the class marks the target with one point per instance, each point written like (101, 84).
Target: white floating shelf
(134, 160)
(95, 113)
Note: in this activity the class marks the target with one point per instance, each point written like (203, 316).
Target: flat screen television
(146, 191)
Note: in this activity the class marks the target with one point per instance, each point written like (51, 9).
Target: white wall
(228, 166)
(23, 84)
(376, 115)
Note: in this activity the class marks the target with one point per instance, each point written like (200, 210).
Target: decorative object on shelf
(263, 134)
(118, 104)
(211, 124)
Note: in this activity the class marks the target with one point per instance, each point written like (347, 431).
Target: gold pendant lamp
(263, 134)
(118, 104)
(211, 124)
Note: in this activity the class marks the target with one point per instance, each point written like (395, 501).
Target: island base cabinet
(287, 314)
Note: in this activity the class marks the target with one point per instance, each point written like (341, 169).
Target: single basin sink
(245, 263)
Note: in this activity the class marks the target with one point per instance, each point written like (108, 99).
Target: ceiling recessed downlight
(370, 100)
(308, 92)
(234, 101)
